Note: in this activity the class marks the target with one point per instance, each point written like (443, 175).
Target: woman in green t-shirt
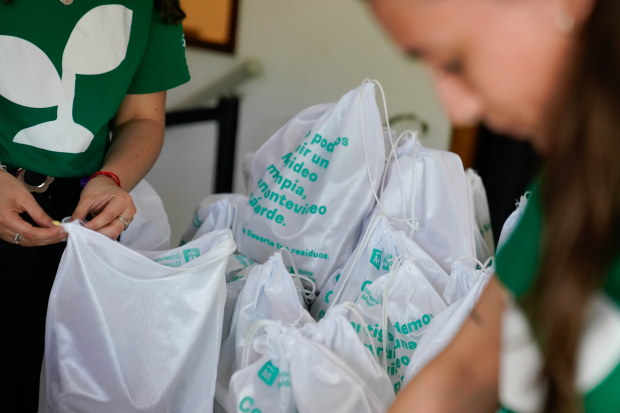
(66, 69)
(545, 335)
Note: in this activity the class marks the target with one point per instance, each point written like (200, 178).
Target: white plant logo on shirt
(98, 44)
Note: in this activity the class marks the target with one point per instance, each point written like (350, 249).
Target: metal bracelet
(2, 167)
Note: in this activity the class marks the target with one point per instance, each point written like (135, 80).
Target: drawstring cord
(308, 296)
(483, 267)
(361, 246)
(250, 336)
(353, 308)
(411, 222)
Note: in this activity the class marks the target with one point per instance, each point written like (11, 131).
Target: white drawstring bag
(130, 331)
(236, 264)
(401, 303)
(237, 271)
(513, 220)
(149, 229)
(464, 276)
(284, 372)
(372, 258)
(379, 247)
(215, 212)
(445, 326)
(334, 332)
(269, 292)
(426, 196)
(313, 184)
(246, 168)
(485, 244)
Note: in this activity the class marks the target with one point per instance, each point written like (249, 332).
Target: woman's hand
(104, 200)
(14, 200)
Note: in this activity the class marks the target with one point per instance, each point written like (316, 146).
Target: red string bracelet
(109, 175)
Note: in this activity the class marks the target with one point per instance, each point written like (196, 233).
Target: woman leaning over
(545, 335)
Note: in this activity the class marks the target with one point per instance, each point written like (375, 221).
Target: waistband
(34, 179)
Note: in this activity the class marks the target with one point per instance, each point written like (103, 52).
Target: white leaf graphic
(27, 76)
(98, 43)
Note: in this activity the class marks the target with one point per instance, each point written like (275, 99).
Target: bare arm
(138, 138)
(137, 141)
(464, 377)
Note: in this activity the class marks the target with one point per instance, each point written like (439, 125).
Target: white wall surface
(313, 51)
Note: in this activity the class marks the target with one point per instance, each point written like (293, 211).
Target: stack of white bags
(348, 268)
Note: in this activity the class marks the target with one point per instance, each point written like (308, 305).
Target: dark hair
(170, 10)
(580, 192)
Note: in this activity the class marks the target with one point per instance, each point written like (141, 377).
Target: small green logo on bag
(375, 258)
(191, 254)
(268, 373)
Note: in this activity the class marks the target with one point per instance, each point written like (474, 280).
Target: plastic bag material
(285, 372)
(431, 193)
(126, 332)
(353, 346)
(236, 264)
(400, 305)
(513, 220)
(373, 257)
(312, 185)
(268, 293)
(149, 229)
(215, 212)
(444, 327)
(481, 213)
(246, 167)
(463, 277)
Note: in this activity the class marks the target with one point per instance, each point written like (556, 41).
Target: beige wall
(313, 51)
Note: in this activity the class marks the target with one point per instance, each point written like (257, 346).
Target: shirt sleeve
(163, 65)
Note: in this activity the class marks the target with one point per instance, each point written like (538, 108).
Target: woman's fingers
(36, 212)
(31, 236)
(109, 214)
(82, 209)
(106, 201)
(113, 229)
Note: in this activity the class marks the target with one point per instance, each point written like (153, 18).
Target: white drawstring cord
(360, 248)
(384, 302)
(250, 336)
(393, 153)
(308, 296)
(524, 198)
(353, 308)
(483, 267)
(409, 221)
(413, 220)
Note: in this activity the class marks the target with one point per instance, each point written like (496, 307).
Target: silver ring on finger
(125, 221)
(17, 239)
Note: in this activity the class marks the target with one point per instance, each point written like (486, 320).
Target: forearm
(447, 385)
(134, 150)
(464, 377)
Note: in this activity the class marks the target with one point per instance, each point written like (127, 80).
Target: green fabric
(605, 398)
(517, 265)
(146, 56)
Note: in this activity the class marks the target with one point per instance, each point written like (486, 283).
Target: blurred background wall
(312, 52)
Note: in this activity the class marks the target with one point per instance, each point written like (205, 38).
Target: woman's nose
(463, 106)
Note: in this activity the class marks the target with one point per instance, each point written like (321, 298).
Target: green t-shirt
(64, 71)
(598, 366)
